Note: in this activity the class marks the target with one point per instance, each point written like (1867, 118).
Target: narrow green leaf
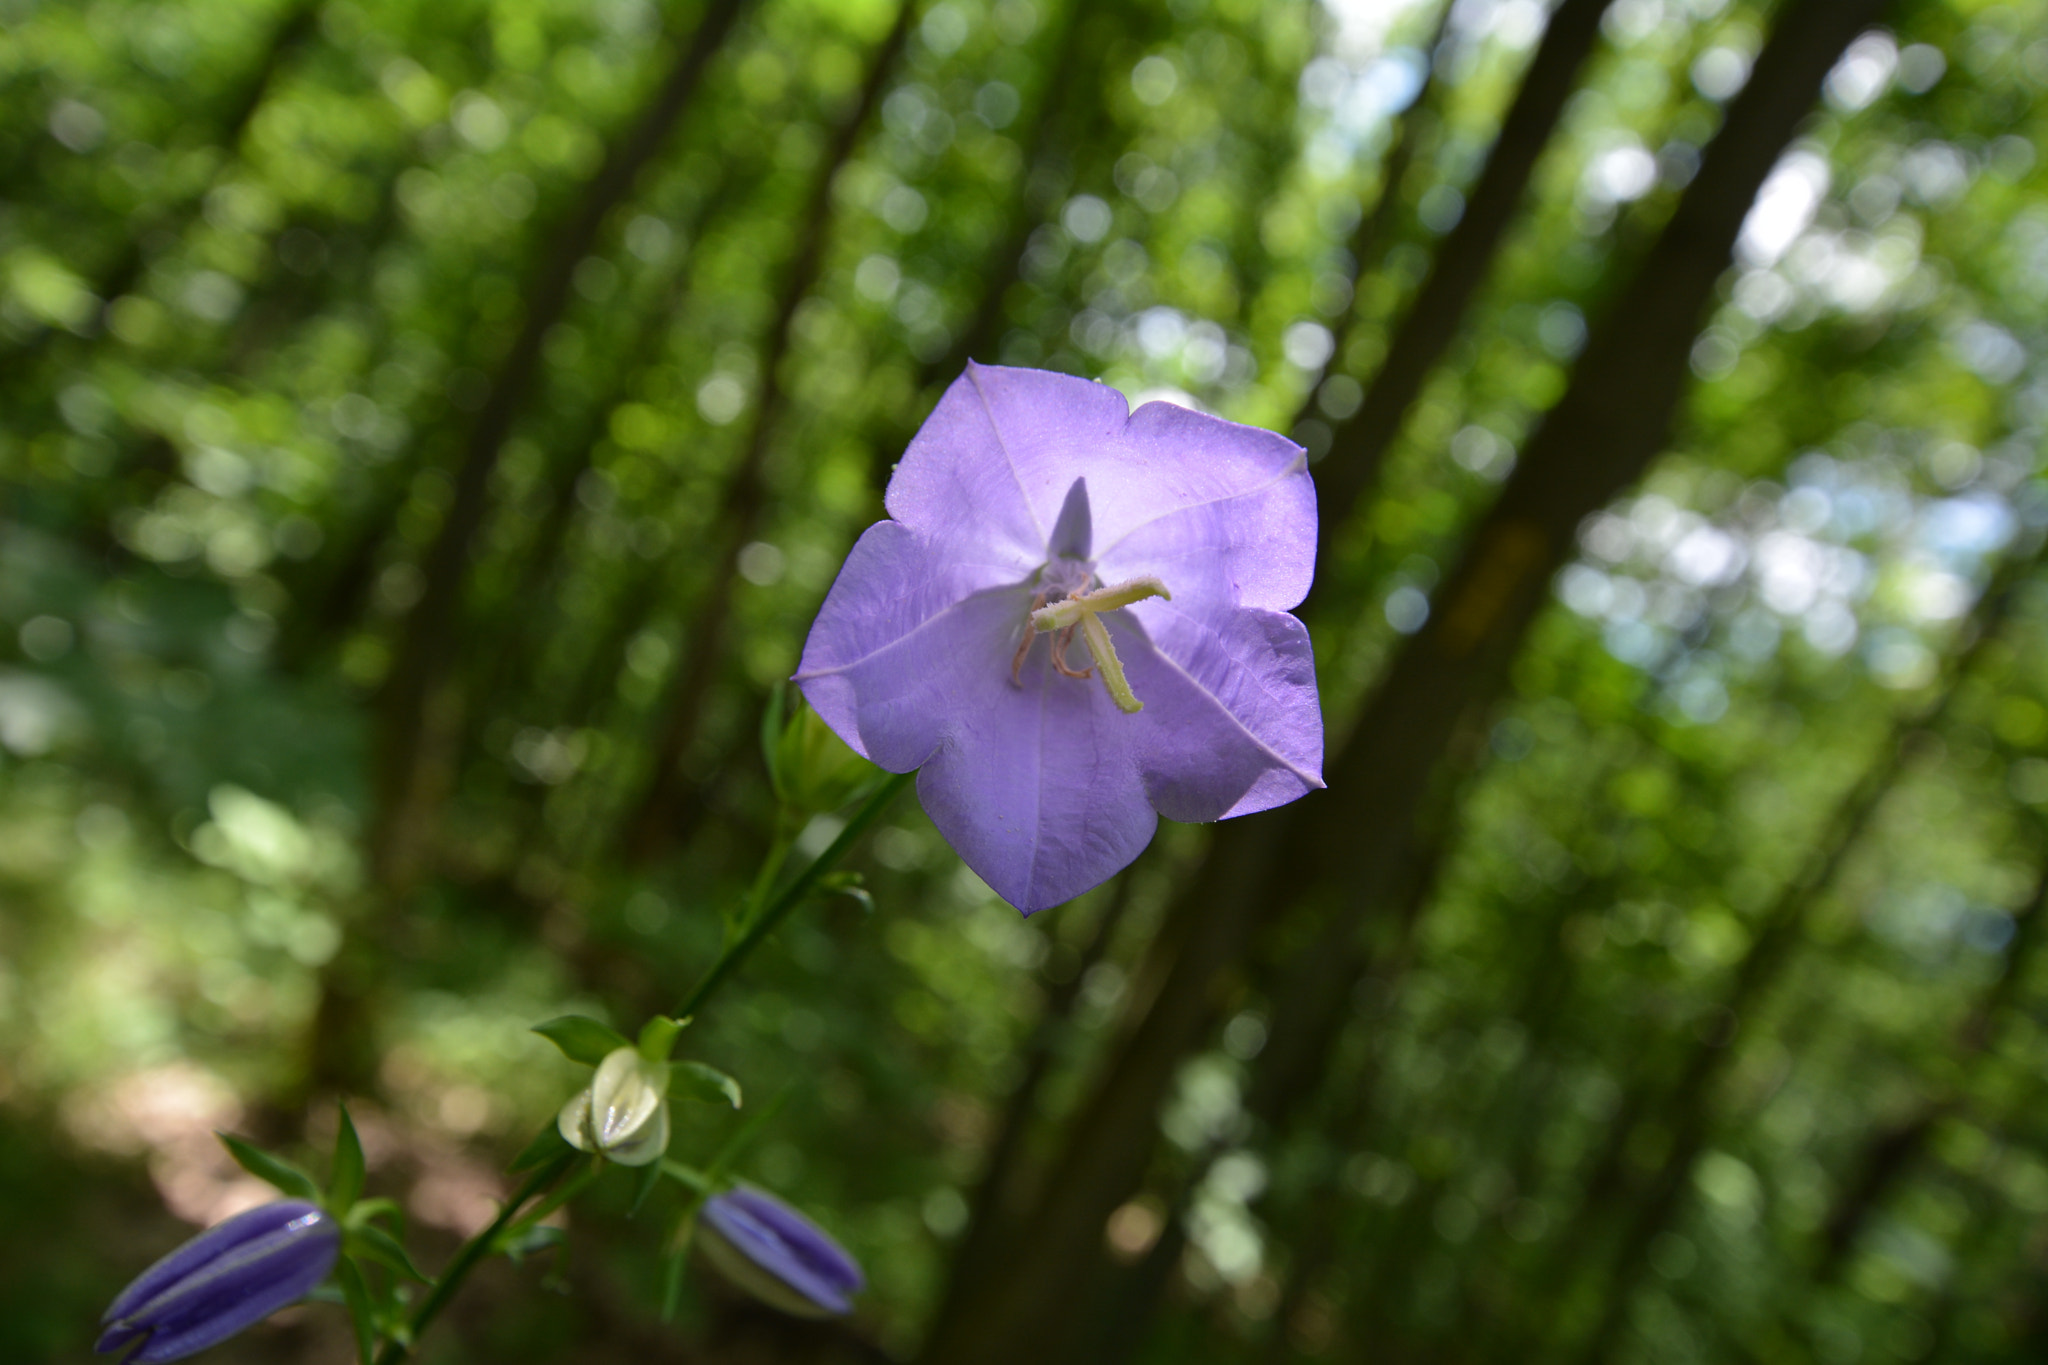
(362, 1317)
(644, 1183)
(696, 1081)
(373, 1243)
(580, 1039)
(345, 1181)
(379, 1207)
(547, 1144)
(261, 1164)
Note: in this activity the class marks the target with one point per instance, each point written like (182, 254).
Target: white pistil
(1084, 609)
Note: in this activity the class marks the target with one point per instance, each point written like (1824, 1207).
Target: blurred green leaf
(696, 1081)
(581, 1039)
(345, 1182)
(286, 1177)
(373, 1243)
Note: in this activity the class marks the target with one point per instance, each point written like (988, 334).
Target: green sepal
(644, 1183)
(696, 1081)
(274, 1170)
(361, 1315)
(372, 1243)
(547, 1144)
(658, 1037)
(580, 1039)
(345, 1180)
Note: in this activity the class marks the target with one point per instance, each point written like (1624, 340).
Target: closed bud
(779, 1256)
(229, 1277)
(817, 772)
(623, 1114)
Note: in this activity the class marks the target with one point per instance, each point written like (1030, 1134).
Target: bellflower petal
(1057, 703)
(778, 1255)
(229, 1277)
(1231, 722)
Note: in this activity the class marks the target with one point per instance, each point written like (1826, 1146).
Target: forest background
(427, 432)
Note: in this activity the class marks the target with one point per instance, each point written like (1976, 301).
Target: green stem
(571, 1187)
(800, 886)
(472, 1253)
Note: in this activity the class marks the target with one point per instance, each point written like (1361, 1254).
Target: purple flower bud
(230, 1276)
(778, 1255)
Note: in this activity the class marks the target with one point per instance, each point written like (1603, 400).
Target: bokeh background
(426, 432)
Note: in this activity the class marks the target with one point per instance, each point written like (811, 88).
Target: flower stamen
(1084, 610)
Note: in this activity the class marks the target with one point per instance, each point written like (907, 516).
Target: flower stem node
(231, 1276)
(623, 1114)
(1085, 609)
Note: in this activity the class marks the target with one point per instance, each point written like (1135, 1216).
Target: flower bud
(776, 1254)
(623, 1115)
(230, 1276)
(815, 770)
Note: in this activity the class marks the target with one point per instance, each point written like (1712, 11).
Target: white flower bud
(623, 1114)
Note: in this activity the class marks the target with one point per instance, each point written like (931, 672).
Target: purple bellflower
(1074, 622)
(234, 1274)
(776, 1254)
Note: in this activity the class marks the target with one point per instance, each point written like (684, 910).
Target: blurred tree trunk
(744, 498)
(1346, 475)
(420, 708)
(1336, 856)
(1373, 236)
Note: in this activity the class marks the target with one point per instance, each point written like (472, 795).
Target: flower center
(1081, 609)
(1067, 601)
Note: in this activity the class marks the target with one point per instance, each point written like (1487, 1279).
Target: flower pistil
(1084, 609)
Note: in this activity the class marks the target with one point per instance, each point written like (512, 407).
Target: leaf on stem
(275, 1170)
(345, 1181)
(696, 1081)
(580, 1039)
(373, 1243)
